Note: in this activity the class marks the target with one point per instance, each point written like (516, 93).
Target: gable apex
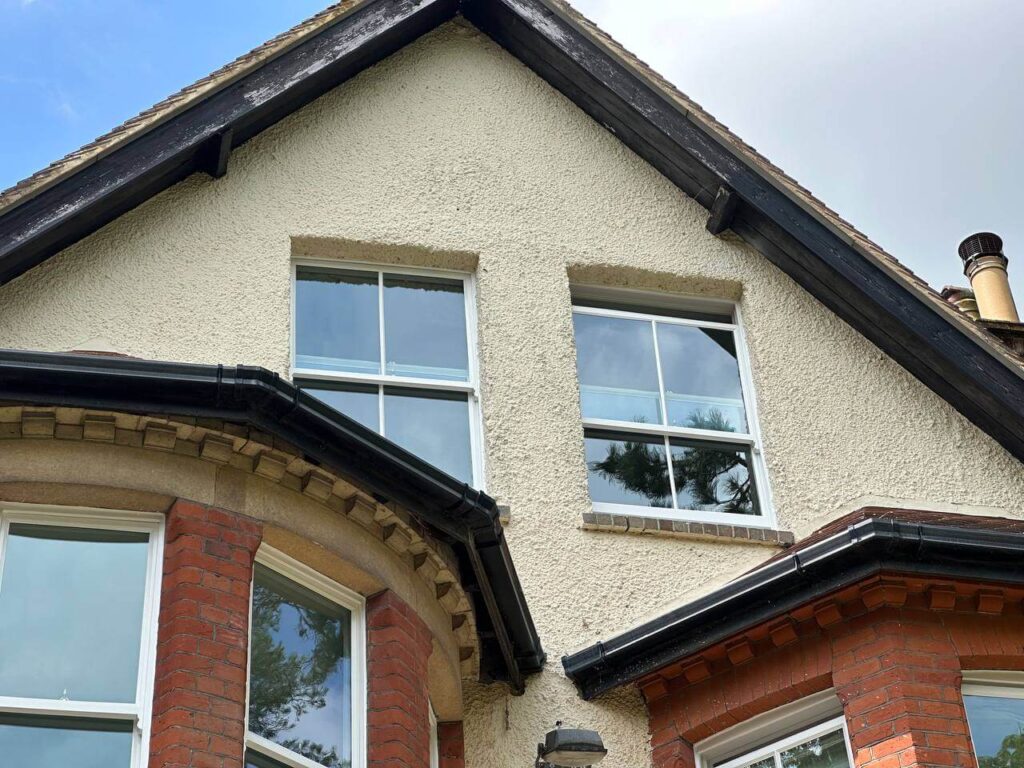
(196, 130)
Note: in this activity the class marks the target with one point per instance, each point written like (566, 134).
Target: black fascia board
(201, 137)
(974, 379)
(867, 548)
(463, 516)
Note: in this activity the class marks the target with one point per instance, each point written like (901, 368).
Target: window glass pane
(432, 425)
(828, 751)
(712, 477)
(702, 378)
(627, 469)
(617, 370)
(337, 320)
(71, 602)
(361, 403)
(425, 328)
(61, 742)
(997, 729)
(300, 682)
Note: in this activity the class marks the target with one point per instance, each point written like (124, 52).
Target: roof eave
(259, 398)
(870, 547)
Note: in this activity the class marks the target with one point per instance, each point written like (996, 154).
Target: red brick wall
(451, 749)
(893, 654)
(897, 673)
(202, 655)
(199, 697)
(398, 719)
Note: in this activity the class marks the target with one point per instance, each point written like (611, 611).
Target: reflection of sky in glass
(25, 746)
(359, 403)
(336, 320)
(71, 613)
(828, 751)
(701, 374)
(725, 472)
(434, 427)
(617, 370)
(425, 328)
(300, 623)
(640, 476)
(992, 719)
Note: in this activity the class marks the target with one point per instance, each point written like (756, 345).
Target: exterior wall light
(570, 748)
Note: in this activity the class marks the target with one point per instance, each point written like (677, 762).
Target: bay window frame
(773, 732)
(749, 441)
(305, 377)
(305, 576)
(139, 713)
(999, 684)
(775, 748)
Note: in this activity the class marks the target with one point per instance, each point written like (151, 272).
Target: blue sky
(904, 116)
(70, 70)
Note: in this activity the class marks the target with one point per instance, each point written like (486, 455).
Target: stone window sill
(735, 534)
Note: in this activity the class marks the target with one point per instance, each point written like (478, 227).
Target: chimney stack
(985, 267)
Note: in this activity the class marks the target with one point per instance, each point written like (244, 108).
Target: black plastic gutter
(256, 397)
(869, 547)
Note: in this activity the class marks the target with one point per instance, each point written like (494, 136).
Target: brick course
(199, 696)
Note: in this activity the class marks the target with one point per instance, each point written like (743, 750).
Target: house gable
(375, 171)
(452, 154)
(830, 259)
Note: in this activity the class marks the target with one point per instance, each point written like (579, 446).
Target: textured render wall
(454, 147)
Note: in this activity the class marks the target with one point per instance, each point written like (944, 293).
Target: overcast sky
(906, 116)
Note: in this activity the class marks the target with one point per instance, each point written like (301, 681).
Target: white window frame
(435, 747)
(471, 387)
(757, 738)
(763, 730)
(994, 683)
(304, 576)
(751, 440)
(140, 712)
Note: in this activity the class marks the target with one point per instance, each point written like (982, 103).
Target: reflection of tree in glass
(1010, 754)
(637, 467)
(287, 685)
(705, 474)
(827, 751)
(708, 476)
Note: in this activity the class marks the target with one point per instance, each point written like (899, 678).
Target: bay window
(306, 669)
(394, 350)
(668, 415)
(78, 596)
